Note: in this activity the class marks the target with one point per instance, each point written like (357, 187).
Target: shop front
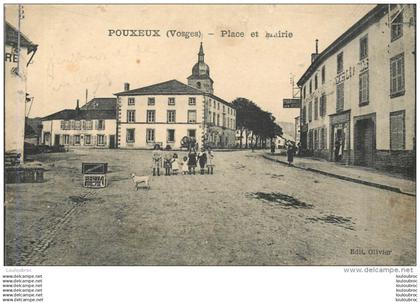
(340, 137)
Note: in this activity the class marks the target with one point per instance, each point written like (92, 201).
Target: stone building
(166, 112)
(358, 95)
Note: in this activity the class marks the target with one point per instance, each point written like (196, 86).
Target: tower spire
(201, 53)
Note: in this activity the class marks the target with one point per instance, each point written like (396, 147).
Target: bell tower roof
(200, 75)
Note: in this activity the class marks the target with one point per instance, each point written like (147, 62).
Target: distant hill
(288, 128)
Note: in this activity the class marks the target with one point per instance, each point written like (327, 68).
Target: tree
(250, 118)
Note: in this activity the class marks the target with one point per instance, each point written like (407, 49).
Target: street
(252, 211)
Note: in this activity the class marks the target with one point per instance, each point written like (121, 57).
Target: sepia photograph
(209, 135)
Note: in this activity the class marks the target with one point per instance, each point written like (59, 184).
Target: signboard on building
(291, 103)
(94, 175)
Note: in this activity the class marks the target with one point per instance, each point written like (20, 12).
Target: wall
(181, 126)
(54, 127)
(15, 96)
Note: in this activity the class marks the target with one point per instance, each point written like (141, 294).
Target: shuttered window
(397, 130)
(340, 97)
(397, 75)
(364, 88)
(316, 109)
(310, 112)
(323, 105)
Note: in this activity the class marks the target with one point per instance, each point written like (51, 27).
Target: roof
(220, 100)
(74, 114)
(172, 87)
(100, 104)
(371, 17)
(11, 38)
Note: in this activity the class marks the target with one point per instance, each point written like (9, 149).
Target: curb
(346, 178)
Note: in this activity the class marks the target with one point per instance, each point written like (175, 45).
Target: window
(66, 139)
(316, 142)
(214, 118)
(218, 106)
(191, 132)
(340, 97)
(310, 112)
(63, 125)
(397, 27)
(151, 101)
(214, 104)
(397, 75)
(100, 139)
(323, 75)
(198, 85)
(171, 136)
(101, 125)
(224, 108)
(304, 115)
(130, 136)
(192, 116)
(316, 82)
(364, 88)
(310, 86)
(209, 119)
(218, 120)
(322, 137)
(88, 125)
(171, 101)
(71, 124)
(304, 91)
(316, 109)
(191, 101)
(150, 135)
(171, 116)
(363, 47)
(340, 63)
(150, 116)
(88, 139)
(397, 130)
(131, 101)
(77, 139)
(323, 105)
(77, 125)
(131, 116)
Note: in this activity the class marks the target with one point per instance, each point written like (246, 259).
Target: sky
(76, 53)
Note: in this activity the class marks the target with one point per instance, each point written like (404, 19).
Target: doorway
(364, 134)
(56, 139)
(112, 142)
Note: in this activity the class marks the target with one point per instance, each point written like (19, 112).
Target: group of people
(186, 165)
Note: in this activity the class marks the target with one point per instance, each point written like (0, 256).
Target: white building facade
(167, 112)
(358, 95)
(78, 128)
(15, 72)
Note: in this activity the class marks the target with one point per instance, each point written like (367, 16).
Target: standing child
(202, 160)
(175, 165)
(168, 163)
(192, 161)
(156, 160)
(184, 165)
(210, 161)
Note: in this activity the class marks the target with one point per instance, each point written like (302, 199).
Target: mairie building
(358, 95)
(166, 112)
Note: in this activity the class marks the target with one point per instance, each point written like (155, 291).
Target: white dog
(140, 180)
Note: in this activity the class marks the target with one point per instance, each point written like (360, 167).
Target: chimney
(77, 107)
(126, 86)
(315, 55)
